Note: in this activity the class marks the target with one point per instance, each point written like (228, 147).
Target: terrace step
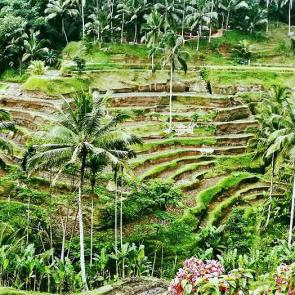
(30, 119)
(162, 98)
(34, 104)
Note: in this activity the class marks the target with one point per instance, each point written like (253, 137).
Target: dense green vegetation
(135, 134)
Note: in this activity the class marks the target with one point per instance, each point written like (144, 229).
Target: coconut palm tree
(173, 57)
(152, 28)
(84, 131)
(6, 124)
(271, 105)
(61, 9)
(200, 16)
(98, 24)
(122, 11)
(135, 10)
(282, 141)
(96, 165)
(171, 11)
(231, 6)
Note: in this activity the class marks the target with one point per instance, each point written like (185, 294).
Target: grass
(12, 291)
(215, 215)
(207, 196)
(56, 86)
(154, 145)
(11, 75)
(189, 168)
(155, 171)
(250, 77)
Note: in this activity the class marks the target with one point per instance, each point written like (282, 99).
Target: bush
(37, 68)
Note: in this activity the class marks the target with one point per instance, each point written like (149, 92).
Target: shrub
(37, 68)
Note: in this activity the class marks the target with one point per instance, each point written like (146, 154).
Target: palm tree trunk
(289, 17)
(81, 227)
(271, 190)
(122, 27)
(135, 32)
(91, 224)
(28, 219)
(210, 28)
(183, 20)
(199, 36)
(121, 215)
(170, 98)
(227, 20)
(292, 215)
(153, 63)
(83, 19)
(63, 30)
(64, 232)
(116, 217)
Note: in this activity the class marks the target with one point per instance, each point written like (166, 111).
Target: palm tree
(98, 24)
(170, 12)
(135, 10)
(198, 17)
(231, 6)
(152, 27)
(60, 8)
(6, 124)
(32, 46)
(122, 10)
(270, 107)
(282, 141)
(96, 165)
(84, 131)
(174, 57)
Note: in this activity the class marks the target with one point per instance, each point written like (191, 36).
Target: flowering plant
(197, 274)
(284, 278)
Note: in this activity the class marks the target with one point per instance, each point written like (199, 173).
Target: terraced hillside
(206, 156)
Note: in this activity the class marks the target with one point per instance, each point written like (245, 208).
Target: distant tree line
(29, 28)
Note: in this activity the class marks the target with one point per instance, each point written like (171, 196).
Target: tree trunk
(116, 217)
(289, 17)
(153, 63)
(64, 233)
(28, 219)
(227, 21)
(292, 215)
(135, 32)
(83, 19)
(122, 27)
(199, 36)
(63, 30)
(91, 224)
(210, 28)
(271, 190)
(121, 215)
(170, 98)
(81, 227)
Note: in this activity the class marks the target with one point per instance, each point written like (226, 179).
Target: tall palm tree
(271, 106)
(152, 28)
(231, 6)
(135, 10)
(98, 24)
(122, 11)
(6, 124)
(282, 141)
(174, 57)
(83, 131)
(171, 12)
(60, 8)
(200, 15)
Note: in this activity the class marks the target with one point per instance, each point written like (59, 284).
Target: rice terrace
(147, 147)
